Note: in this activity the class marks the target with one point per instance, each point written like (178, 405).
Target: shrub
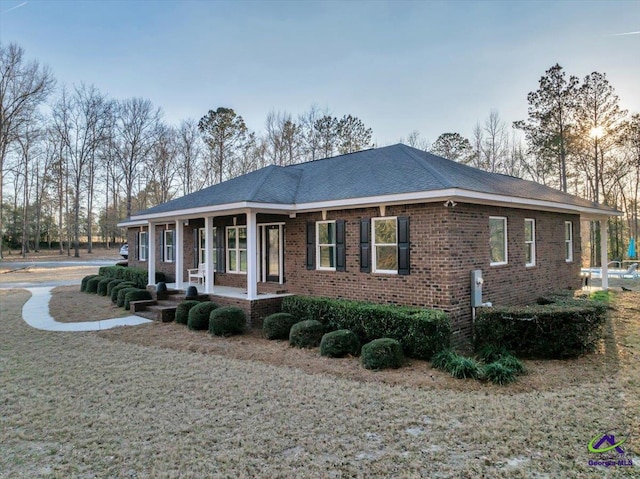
(499, 373)
(382, 353)
(306, 334)
(442, 359)
(102, 286)
(337, 344)
(137, 295)
(462, 367)
(92, 284)
(122, 295)
(199, 315)
(564, 329)
(492, 352)
(182, 311)
(85, 280)
(113, 283)
(116, 289)
(513, 363)
(227, 321)
(278, 325)
(138, 276)
(421, 332)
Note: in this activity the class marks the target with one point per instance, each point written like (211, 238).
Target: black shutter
(136, 246)
(365, 246)
(404, 265)
(220, 245)
(196, 247)
(311, 245)
(341, 250)
(161, 242)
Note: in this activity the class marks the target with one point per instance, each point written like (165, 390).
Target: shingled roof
(380, 172)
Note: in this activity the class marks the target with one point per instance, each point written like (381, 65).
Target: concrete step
(137, 306)
(158, 312)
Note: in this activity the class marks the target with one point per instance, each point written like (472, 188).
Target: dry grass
(69, 305)
(35, 274)
(81, 405)
(54, 255)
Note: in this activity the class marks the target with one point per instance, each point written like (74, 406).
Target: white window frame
(324, 245)
(506, 250)
(530, 244)
(237, 249)
(568, 242)
(143, 246)
(374, 245)
(169, 247)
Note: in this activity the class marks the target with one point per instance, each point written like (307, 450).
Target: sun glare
(596, 132)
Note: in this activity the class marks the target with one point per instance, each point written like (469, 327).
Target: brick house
(387, 225)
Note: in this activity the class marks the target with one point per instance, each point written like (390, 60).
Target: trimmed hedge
(116, 289)
(112, 284)
(306, 334)
(92, 284)
(182, 311)
(102, 286)
(564, 329)
(227, 321)
(278, 325)
(137, 276)
(382, 353)
(122, 295)
(199, 315)
(137, 295)
(421, 332)
(85, 280)
(340, 343)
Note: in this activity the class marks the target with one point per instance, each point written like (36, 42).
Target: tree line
(74, 162)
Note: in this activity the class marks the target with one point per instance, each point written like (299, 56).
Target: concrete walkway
(35, 313)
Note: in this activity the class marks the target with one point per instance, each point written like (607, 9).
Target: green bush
(85, 280)
(116, 289)
(227, 321)
(382, 353)
(498, 373)
(566, 328)
(122, 294)
(182, 311)
(278, 325)
(102, 286)
(112, 283)
(513, 363)
(137, 295)
(340, 343)
(442, 359)
(421, 332)
(199, 315)
(462, 367)
(306, 334)
(137, 276)
(92, 284)
(489, 353)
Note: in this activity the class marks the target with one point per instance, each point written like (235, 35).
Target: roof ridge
(425, 165)
(266, 173)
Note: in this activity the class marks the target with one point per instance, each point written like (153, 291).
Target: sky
(399, 66)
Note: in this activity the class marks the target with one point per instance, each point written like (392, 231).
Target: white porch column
(252, 255)
(208, 255)
(151, 255)
(179, 254)
(604, 256)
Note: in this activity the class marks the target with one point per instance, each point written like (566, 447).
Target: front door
(271, 253)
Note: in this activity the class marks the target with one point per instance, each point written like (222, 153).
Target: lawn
(161, 401)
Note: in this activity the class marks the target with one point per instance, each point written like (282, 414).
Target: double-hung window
(568, 241)
(169, 246)
(237, 249)
(143, 246)
(326, 245)
(385, 245)
(530, 241)
(498, 240)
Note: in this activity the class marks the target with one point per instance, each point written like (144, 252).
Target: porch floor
(227, 291)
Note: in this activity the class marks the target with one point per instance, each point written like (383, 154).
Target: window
(143, 246)
(568, 241)
(530, 241)
(237, 249)
(169, 246)
(385, 245)
(326, 245)
(498, 240)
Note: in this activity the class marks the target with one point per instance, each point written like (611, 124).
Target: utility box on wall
(476, 288)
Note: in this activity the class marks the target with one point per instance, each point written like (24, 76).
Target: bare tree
(161, 166)
(23, 87)
(189, 154)
(311, 136)
(283, 139)
(496, 142)
(416, 141)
